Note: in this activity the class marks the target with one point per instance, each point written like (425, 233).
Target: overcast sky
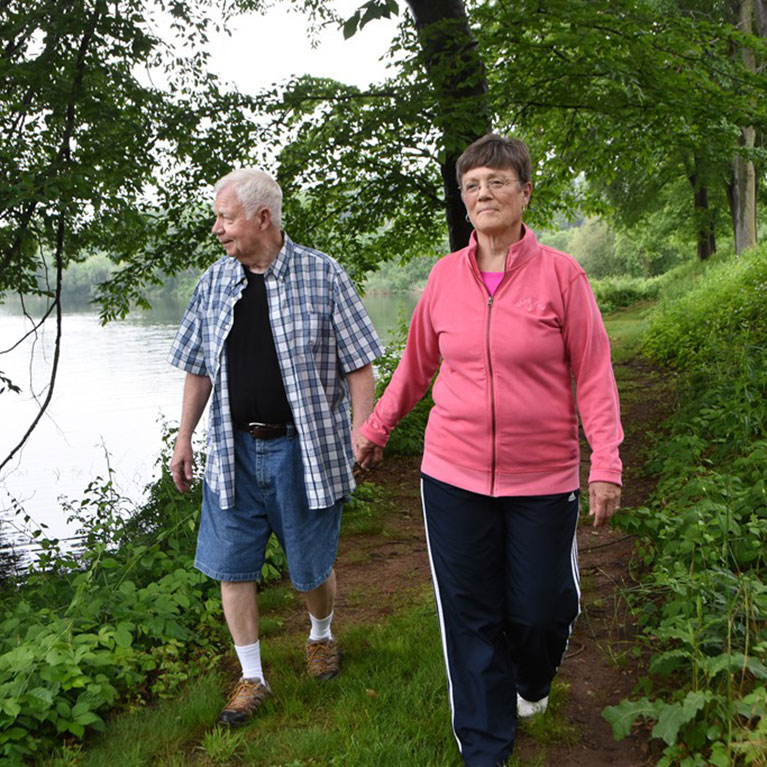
(268, 48)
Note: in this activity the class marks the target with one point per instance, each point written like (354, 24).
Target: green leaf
(11, 707)
(91, 719)
(735, 662)
(672, 716)
(623, 716)
(42, 694)
(719, 755)
(123, 637)
(351, 25)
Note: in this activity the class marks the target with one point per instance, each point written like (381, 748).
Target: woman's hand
(604, 501)
(367, 453)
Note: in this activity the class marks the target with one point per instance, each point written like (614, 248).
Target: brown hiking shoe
(323, 658)
(245, 700)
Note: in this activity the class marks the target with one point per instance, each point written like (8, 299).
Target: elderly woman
(510, 323)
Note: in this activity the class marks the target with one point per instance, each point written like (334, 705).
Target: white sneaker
(528, 708)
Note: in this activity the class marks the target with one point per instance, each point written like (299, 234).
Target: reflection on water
(388, 312)
(113, 392)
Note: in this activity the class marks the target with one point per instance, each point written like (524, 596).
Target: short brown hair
(494, 151)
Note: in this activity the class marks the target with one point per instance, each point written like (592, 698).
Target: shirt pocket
(309, 329)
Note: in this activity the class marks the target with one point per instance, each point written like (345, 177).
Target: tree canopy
(113, 127)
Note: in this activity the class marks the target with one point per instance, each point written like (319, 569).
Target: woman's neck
(492, 249)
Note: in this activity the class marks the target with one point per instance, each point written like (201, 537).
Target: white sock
(250, 660)
(320, 628)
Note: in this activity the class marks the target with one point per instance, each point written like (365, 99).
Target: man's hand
(182, 465)
(367, 453)
(604, 501)
(196, 392)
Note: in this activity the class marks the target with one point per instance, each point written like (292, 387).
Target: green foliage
(407, 438)
(83, 277)
(618, 292)
(349, 724)
(373, 9)
(556, 238)
(363, 514)
(631, 97)
(702, 606)
(660, 234)
(398, 277)
(84, 281)
(90, 141)
(593, 244)
(728, 308)
(124, 617)
(621, 94)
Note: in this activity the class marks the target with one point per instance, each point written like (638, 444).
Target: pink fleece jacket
(504, 420)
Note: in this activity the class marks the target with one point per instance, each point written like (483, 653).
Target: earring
(467, 217)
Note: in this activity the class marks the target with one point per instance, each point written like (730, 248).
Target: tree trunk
(704, 217)
(741, 191)
(457, 75)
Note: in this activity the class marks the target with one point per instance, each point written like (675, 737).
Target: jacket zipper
(493, 451)
(492, 395)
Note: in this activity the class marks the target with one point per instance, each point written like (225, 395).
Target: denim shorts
(269, 497)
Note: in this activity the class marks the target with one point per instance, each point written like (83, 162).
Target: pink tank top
(492, 280)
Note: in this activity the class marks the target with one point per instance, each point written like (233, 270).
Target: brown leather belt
(267, 430)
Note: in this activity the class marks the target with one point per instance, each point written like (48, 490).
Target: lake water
(113, 392)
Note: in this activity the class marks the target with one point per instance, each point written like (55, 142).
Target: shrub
(703, 603)
(727, 307)
(407, 438)
(618, 292)
(125, 616)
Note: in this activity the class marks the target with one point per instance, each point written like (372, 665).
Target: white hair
(254, 189)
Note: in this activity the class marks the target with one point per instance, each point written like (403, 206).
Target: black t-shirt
(256, 392)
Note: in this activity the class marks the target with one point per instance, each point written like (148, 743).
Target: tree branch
(60, 231)
(62, 160)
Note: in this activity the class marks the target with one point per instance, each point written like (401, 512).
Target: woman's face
(495, 199)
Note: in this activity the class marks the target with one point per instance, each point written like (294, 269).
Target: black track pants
(505, 574)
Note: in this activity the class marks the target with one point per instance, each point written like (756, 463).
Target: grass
(388, 709)
(552, 727)
(626, 328)
(393, 682)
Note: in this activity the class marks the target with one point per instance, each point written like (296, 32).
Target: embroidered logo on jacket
(530, 303)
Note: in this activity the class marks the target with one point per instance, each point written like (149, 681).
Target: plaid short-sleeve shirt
(321, 332)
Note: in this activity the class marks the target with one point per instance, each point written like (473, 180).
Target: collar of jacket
(520, 252)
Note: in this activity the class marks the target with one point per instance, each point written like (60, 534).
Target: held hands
(367, 454)
(604, 501)
(181, 465)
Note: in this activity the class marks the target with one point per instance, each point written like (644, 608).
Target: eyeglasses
(494, 184)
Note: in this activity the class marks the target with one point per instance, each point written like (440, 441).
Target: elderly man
(279, 335)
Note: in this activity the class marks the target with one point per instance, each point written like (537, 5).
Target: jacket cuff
(605, 475)
(378, 435)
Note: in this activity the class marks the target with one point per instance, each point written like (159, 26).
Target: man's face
(241, 236)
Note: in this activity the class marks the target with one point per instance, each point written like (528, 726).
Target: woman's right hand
(367, 453)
